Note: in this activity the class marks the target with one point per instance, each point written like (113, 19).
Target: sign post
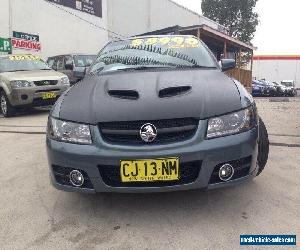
(5, 45)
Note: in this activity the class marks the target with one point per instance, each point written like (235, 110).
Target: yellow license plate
(49, 95)
(148, 170)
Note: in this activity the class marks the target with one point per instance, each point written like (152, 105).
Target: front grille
(241, 169)
(45, 82)
(188, 173)
(168, 131)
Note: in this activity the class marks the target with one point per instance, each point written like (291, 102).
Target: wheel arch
(3, 87)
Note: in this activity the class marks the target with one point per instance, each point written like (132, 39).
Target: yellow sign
(148, 170)
(164, 40)
(151, 41)
(178, 40)
(137, 42)
(193, 42)
(23, 57)
(172, 42)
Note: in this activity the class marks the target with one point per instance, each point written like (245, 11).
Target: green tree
(237, 16)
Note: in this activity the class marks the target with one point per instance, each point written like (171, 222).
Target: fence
(242, 75)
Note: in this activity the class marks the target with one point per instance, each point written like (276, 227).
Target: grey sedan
(155, 114)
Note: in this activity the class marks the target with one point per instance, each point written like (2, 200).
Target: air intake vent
(124, 94)
(173, 91)
(45, 82)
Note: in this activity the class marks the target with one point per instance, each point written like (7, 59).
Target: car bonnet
(33, 75)
(201, 94)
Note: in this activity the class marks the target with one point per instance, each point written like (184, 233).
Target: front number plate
(49, 95)
(148, 170)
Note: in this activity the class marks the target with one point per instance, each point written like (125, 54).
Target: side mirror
(69, 66)
(227, 64)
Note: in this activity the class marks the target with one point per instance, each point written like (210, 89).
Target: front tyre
(263, 147)
(6, 108)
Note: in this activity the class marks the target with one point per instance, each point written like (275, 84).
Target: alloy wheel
(3, 104)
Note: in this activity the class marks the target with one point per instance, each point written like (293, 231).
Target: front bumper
(210, 153)
(33, 96)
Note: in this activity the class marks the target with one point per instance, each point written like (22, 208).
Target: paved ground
(33, 215)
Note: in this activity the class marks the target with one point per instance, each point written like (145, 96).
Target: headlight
(65, 81)
(233, 123)
(21, 84)
(68, 131)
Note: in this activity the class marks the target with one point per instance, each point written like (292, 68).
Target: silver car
(27, 81)
(155, 114)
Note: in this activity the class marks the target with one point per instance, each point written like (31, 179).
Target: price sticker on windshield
(164, 40)
(24, 57)
(192, 42)
(151, 41)
(137, 42)
(172, 42)
(177, 42)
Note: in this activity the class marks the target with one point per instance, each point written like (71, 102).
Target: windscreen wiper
(199, 67)
(143, 68)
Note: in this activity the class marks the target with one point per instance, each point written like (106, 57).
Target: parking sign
(5, 45)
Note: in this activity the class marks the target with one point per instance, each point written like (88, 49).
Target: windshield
(84, 60)
(22, 63)
(166, 51)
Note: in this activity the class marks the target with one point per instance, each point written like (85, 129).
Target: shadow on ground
(29, 112)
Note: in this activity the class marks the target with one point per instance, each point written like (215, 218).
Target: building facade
(276, 68)
(59, 29)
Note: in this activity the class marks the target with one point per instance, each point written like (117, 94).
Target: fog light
(76, 178)
(24, 97)
(226, 172)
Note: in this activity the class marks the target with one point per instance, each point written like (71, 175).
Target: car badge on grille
(46, 83)
(148, 132)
